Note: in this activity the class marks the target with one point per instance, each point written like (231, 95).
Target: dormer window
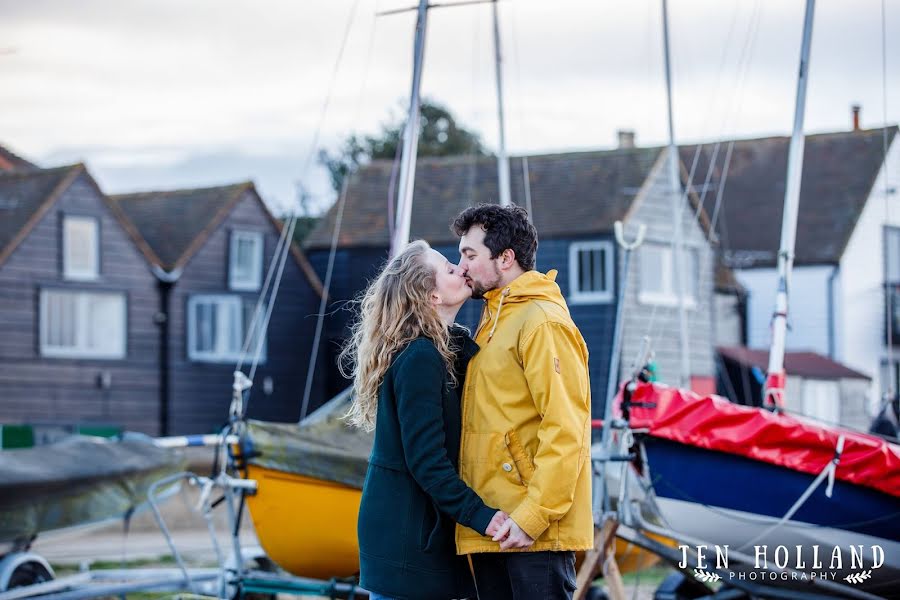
(81, 248)
(245, 261)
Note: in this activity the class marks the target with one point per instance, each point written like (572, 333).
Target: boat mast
(675, 183)
(502, 159)
(410, 139)
(775, 381)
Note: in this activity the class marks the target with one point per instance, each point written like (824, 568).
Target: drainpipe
(165, 282)
(831, 333)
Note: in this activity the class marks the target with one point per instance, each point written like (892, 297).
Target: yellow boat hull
(308, 526)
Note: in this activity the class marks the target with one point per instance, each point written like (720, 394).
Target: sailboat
(76, 482)
(791, 502)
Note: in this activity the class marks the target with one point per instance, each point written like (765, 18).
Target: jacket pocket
(524, 462)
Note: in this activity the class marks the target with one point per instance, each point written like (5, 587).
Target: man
(526, 414)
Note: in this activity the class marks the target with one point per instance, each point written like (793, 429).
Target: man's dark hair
(505, 227)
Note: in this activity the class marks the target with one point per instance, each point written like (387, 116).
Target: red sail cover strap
(797, 443)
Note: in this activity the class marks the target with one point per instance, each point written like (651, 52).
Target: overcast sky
(158, 94)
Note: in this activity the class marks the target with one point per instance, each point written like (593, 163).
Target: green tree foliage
(439, 135)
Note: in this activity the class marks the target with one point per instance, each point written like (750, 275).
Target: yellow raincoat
(526, 418)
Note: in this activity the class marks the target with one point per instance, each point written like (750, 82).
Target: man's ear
(507, 259)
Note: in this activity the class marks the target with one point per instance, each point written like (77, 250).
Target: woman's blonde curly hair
(393, 311)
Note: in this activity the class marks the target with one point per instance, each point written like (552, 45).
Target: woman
(407, 361)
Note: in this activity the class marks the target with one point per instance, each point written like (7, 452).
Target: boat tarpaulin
(322, 446)
(76, 481)
(714, 423)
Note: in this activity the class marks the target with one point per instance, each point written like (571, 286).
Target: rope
(527, 186)
(280, 256)
(271, 304)
(259, 300)
(314, 352)
(339, 217)
(890, 388)
(827, 472)
(744, 59)
(526, 174)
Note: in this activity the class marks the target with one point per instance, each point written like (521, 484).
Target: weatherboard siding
(200, 391)
(661, 323)
(64, 391)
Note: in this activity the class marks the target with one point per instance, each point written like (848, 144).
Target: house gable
(647, 317)
(171, 227)
(44, 387)
(201, 388)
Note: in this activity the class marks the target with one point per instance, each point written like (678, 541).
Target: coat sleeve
(555, 364)
(418, 382)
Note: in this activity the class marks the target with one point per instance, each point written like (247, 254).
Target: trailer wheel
(21, 570)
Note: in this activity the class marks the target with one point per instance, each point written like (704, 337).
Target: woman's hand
(496, 523)
(512, 536)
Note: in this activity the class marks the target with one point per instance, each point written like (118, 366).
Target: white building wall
(862, 330)
(807, 313)
(660, 323)
(727, 320)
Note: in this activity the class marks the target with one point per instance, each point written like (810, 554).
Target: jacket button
(507, 467)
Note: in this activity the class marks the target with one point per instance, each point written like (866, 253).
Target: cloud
(155, 88)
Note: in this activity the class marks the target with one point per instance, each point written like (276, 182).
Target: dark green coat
(413, 495)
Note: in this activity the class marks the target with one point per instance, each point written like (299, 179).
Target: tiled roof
(172, 222)
(802, 364)
(170, 226)
(25, 196)
(572, 193)
(10, 161)
(839, 170)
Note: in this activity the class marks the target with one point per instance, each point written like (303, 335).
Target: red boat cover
(800, 444)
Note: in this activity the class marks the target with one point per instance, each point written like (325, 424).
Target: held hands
(510, 535)
(493, 527)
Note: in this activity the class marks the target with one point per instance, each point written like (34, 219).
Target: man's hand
(497, 521)
(510, 535)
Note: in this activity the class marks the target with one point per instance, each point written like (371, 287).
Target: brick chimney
(626, 138)
(856, 108)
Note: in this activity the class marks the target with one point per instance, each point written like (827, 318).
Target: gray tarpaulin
(323, 446)
(77, 481)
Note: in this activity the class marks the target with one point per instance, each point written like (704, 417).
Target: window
(590, 272)
(657, 275)
(81, 250)
(217, 328)
(82, 324)
(245, 260)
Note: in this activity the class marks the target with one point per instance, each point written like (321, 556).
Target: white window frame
(669, 296)
(222, 354)
(576, 295)
(80, 350)
(253, 282)
(70, 272)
